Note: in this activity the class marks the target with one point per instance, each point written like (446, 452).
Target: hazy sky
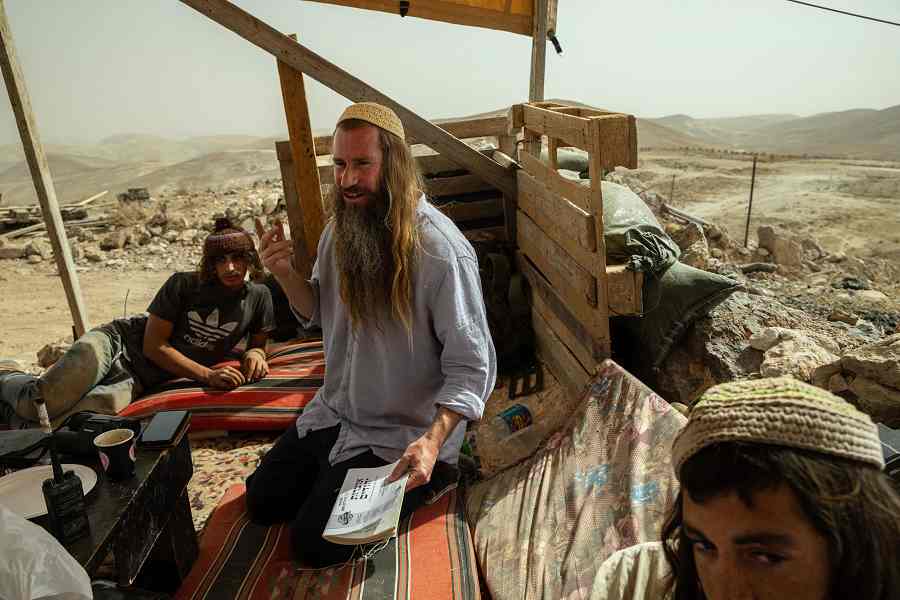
(100, 67)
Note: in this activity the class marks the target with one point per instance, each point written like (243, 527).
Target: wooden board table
(147, 513)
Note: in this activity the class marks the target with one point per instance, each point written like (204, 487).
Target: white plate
(21, 491)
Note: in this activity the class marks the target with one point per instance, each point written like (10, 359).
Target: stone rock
(49, 354)
(717, 253)
(39, 247)
(872, 295)
(841, 315)
(158, 220)
(879, 361)
(784, 250)
(77, 252)
(798, 357)
(270, 203)
(142, 237)
(851, 283)
(35, 259)
(880, 402)
(86, 235)
(762, 252)
(837, 257)
(187, 236)
(248, 225)
(178, 223)
(811, 246)
(837, 384)
(770, 336)
(93, 254)
(8, 252)
(822, 375)
(171, 236)
(114, 240)
(233, 212)
(715, 348)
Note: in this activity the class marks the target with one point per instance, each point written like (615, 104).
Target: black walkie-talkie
(64, 496)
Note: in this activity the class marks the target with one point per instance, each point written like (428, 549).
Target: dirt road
(34, 312)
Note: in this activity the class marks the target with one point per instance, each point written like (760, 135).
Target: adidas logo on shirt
(204, 333)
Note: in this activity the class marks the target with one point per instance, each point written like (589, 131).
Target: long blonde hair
(402, 183)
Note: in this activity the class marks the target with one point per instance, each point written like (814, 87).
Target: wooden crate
(560, 236)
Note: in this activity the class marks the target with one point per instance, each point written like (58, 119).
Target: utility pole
(750, 204)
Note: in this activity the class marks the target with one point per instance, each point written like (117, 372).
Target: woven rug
(220, 463)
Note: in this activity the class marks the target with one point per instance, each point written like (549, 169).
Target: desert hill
(215, 161)
(857, 133)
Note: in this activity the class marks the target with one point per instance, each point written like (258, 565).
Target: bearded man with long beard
(408, 353)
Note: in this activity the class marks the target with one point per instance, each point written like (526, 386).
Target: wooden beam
(304, 60)
(472, 211)
(561, 362)
(305, 215)
(429, 161)
(538, 51)
(563, 222)
(572, 130)
(543, 292)
(458, 185)
(595, 168)
(617, 138)
(451, 12)
(40, 172)
(576, 285)
(575, 193)
(625, 290)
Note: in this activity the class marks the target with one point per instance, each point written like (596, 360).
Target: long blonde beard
(364, 261)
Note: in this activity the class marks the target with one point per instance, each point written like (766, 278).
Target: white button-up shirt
(384, 389)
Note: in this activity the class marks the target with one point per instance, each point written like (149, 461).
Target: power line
(844, 12)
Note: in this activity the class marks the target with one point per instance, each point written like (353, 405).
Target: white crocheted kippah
(779, 411)
(377, 115)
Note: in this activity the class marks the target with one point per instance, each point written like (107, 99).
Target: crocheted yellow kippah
(377, 115)
(779, 411)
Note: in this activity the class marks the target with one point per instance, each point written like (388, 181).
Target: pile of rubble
(826, 318)
(823, 317)
(164, 233)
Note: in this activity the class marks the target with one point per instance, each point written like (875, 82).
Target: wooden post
(538, 52)
(305, 212)
(311, 64)
(40, 172)
(750, 204)
(600, 328)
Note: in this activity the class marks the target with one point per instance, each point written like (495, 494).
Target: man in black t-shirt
(193, 323)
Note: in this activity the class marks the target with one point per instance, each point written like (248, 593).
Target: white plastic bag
(35, 565)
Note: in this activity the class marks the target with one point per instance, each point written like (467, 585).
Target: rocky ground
(819, 315)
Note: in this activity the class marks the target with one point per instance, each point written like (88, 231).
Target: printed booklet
(367, 508)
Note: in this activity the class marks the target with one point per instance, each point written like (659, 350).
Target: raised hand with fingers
(275, 250)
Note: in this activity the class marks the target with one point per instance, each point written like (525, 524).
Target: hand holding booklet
(367, 508)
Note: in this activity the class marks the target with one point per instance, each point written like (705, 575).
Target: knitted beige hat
(377, 115)
(779, 411)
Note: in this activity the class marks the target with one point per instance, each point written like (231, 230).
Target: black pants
(295, 482)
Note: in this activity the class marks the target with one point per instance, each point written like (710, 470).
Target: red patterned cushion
(296, 372)
(431, 559)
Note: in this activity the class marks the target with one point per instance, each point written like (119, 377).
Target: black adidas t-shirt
(207, 322)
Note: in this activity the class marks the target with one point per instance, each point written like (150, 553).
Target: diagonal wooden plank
(40, 172)
(308, 62)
